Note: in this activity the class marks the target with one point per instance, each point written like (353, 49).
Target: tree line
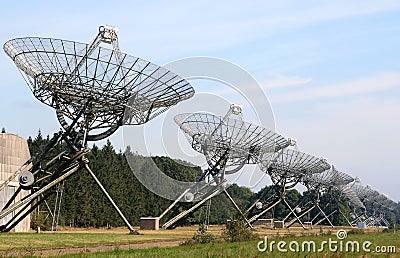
(84, 205)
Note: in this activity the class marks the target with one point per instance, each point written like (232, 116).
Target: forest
(84, 205)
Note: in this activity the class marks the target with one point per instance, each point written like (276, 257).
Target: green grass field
(48, 240)
(31, 242)
(249, 249)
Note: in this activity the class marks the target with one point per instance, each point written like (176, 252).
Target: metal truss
(286, 168)
(94, 91)
(351, 200)
(121, 89)
(228, 143)
(319, 184)
(375, 207)
(214, 136)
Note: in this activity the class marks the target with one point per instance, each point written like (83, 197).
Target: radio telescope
(319, 184)
(350, 199)
(228, 143)
(377, 208)
(359, 212)
(286, 168)
(376, 205)
(94, 91)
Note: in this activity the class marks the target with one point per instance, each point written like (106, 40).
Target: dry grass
(71, 237)
(249, 249)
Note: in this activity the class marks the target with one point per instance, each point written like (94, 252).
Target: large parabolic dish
(216, 136)
(365, 193)
(292, 164)
(351, 196)
(94, 91)
(328, 178)
(118, 88)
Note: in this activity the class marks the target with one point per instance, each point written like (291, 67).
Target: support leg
(237, 208)
(25, 211)
(326, 217)
(132, 230)
(294, 213)
(33, 196)
(174, 203)
(255, 217)
(347, 220)
(194, 207)
(301, 215)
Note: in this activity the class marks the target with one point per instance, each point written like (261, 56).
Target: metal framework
(375, 207)
(118, 88)
(228, 143)
(94, 91)
(348, 198)
(318, 184)
(286, 168)
(363, 193)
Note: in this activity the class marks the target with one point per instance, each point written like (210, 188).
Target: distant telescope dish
(241, 142)
(288, 163)
(351, 195)
(327, 179)
(375, 205)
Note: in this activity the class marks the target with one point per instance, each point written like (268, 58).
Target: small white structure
(150, 223)
(14, 152)
(265, 222)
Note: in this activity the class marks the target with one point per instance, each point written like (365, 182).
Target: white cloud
(207, 29)
(283, 82)
(167, 29)
(379, 82)
(271, 83)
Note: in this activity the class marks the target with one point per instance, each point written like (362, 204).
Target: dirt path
(102, 248)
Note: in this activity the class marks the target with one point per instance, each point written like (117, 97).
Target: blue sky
(331, 69)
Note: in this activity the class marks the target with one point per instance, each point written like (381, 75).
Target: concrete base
(149, 223)
(267, 222)
(279, 224)
(308, 224)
